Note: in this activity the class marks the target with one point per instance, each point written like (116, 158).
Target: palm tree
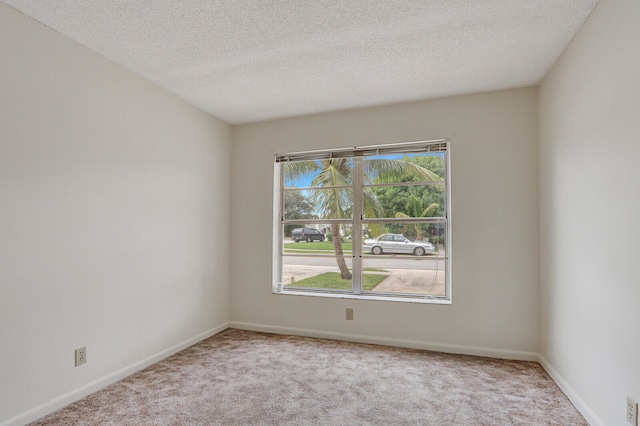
(416, 208)
(332, 191)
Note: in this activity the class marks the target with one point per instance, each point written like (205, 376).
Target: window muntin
(359, 194)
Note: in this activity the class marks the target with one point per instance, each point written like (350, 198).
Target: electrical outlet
(81, 355)
(632, 411)
(350, 314)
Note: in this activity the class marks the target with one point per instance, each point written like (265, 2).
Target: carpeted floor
(247, 378)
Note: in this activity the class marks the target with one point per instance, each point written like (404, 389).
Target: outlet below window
(632, 411)
(350, 314)
(81, 355)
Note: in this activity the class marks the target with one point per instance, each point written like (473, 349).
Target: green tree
(416, 208)
(296, 206)
(332, 191)
(395, 199)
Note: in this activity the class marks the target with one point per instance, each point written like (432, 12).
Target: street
(383, 261)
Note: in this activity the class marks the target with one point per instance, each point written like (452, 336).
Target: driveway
(413, 281)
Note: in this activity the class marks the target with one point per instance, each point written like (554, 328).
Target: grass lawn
(332, 280)
(314, 246)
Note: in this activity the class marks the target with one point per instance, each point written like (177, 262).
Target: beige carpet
(247, 378)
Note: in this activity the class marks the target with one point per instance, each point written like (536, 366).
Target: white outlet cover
(632, 411)
(81, 356)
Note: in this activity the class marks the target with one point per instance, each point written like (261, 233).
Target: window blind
(439, 145)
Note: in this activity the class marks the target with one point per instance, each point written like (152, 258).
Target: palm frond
(371, 205)
(333, 203)
(430, 210)
(391, 171)
(295, 170)
(414, 206)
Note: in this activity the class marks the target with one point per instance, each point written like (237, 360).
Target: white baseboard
(57, 403)
(573, 396)
(404, 343)
(68, 398)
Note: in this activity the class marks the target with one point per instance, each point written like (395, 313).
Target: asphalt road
(400, 261)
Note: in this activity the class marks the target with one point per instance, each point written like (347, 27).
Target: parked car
(306, 234)
(396, 243)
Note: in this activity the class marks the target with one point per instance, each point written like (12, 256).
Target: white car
(396, 243)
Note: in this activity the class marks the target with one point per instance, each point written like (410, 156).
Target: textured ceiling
(252, 60)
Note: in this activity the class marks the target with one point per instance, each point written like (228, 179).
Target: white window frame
(440, 145)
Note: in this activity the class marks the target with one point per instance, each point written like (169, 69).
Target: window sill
(382, 298)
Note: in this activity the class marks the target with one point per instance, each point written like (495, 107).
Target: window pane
(318, 203)
(305, 272)
(418, 167)
(407, 274)
(318, 173)
(315, 239)
(412, 255)
(413, 201)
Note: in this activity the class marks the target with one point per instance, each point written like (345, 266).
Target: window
(364, 222)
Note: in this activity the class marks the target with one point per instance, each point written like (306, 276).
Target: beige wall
(494, 240)
(114, 220)
(589, 222)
